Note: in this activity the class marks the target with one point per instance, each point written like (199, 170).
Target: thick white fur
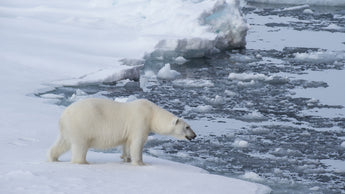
(104, 124)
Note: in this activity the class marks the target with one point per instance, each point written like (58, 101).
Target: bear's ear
(176, 121)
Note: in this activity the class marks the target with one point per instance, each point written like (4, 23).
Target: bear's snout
(191, 136)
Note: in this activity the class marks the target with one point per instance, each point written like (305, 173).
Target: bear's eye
(187, 127)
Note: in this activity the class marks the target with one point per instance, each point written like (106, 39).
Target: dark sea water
(255, 124)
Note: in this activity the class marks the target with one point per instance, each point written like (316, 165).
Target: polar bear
(103, 124)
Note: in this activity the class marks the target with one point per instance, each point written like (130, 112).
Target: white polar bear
(104, 124)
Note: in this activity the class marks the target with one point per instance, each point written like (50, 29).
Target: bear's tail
(61, 146)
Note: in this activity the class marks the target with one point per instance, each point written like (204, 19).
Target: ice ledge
(224, 20)
(108, 75)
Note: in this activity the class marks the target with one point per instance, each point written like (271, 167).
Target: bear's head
(181, 130)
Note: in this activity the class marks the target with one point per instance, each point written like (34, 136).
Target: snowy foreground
(72, 43)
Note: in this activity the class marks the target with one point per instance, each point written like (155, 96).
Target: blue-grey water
(284, 144)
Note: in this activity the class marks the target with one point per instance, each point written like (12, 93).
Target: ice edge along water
(299, 2)
(47, 41)
(213, 27)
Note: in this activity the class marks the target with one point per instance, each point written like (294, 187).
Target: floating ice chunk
(277, 171)
(80, 94)
(193, 83)
(240, 143)
(125, 99)
(258, 56)
(167, 73)
(316, 188)
(250, 79)
(252, 176)
(180, 60)
(203, 108)
(254, 116)
(308, 11)
(217, 100)
(245, 84)
(320, 56)
(198, 109)
(248, 76)
(230, 93)
(343, 144)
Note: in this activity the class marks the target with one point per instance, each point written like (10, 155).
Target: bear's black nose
(191, 137)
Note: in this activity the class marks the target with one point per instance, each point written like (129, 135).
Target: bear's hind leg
(60, 147)
(79, 154)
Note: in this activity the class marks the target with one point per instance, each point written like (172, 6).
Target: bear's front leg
(125, 152)
(136, 151)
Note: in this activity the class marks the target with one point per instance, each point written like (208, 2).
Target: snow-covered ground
(48, 43)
